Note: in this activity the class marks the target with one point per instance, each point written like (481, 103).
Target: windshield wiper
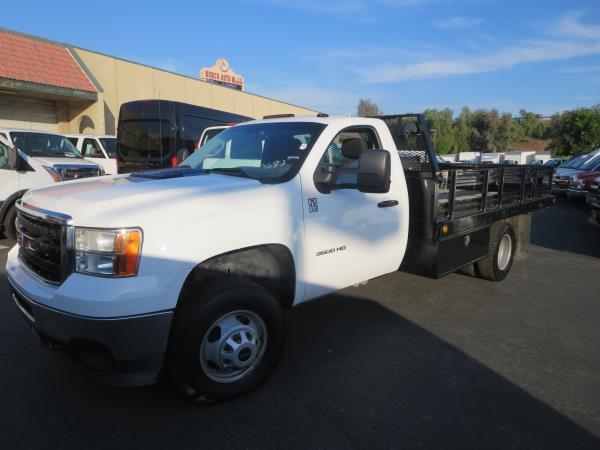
(235, 171)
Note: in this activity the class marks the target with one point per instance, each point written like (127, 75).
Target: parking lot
(401, 362)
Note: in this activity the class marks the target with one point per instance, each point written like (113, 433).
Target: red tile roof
(27, 59)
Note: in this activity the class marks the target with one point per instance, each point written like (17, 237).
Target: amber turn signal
(127, 249)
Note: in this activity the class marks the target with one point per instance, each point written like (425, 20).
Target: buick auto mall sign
(221, 73)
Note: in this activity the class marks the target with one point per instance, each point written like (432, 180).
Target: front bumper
(557, 189)
(126, 351)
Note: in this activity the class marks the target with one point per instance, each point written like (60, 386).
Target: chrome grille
(41, 246)
(75, 173)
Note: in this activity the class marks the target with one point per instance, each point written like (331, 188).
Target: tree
(530, 124)
(484, 130)
(507, 133)
(441, 124)
(367, 107)
(462, 131)
(576, 132)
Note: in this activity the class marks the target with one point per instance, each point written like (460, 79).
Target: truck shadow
(565, 227)
(353, 374)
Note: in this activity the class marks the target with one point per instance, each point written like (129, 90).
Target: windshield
(268, 152)
(590, 163)
(110, 145)
(42, 144)
(579, 162)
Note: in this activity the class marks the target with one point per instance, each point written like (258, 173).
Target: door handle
(387, 203)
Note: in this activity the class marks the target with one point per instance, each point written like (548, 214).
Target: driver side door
(350, 236)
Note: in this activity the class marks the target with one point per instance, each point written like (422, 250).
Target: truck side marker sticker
(313, 205)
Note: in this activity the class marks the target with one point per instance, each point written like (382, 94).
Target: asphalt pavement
(402, 362)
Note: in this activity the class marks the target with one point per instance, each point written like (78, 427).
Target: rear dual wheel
(496, 265)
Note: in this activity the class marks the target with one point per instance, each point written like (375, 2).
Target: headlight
(112, 253)
(53, 173)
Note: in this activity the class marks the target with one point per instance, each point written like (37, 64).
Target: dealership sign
(222, 74)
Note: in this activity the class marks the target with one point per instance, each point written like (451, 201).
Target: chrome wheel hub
(504, 252)
(233, 346)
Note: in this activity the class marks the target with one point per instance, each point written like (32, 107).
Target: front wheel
(496, 265)
(10, 223)
(226, 342)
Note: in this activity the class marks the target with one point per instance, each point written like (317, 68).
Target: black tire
(489, 268)
(198, 316)
(10, 226)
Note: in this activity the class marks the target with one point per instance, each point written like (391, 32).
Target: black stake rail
(530, 180)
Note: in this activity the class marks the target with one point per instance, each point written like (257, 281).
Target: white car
(187, 271)
(30, 159)
(100, 149)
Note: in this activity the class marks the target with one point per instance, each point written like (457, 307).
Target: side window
(91, 149)
(3, 156)
(73, 140)
(341, 157)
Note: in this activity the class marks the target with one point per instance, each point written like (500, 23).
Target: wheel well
(270, 266)
(8, 203)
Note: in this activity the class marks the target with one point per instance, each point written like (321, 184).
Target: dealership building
(50, 86)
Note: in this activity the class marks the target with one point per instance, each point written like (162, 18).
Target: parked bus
(155, 134)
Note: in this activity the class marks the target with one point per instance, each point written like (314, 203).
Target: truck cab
(31, 159)
(100, 149)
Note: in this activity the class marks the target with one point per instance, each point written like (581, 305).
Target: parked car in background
(594, 200)
(580, 183)
(563, 174)
(555, 162)
(570, 163)
(155, 134)
(101, 149)
(210, 133)
(31, 159)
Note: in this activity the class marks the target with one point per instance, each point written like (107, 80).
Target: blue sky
(407, 55)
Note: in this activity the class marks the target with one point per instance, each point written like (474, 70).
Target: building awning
(33, 65)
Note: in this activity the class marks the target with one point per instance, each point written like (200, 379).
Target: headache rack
(452, 206)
